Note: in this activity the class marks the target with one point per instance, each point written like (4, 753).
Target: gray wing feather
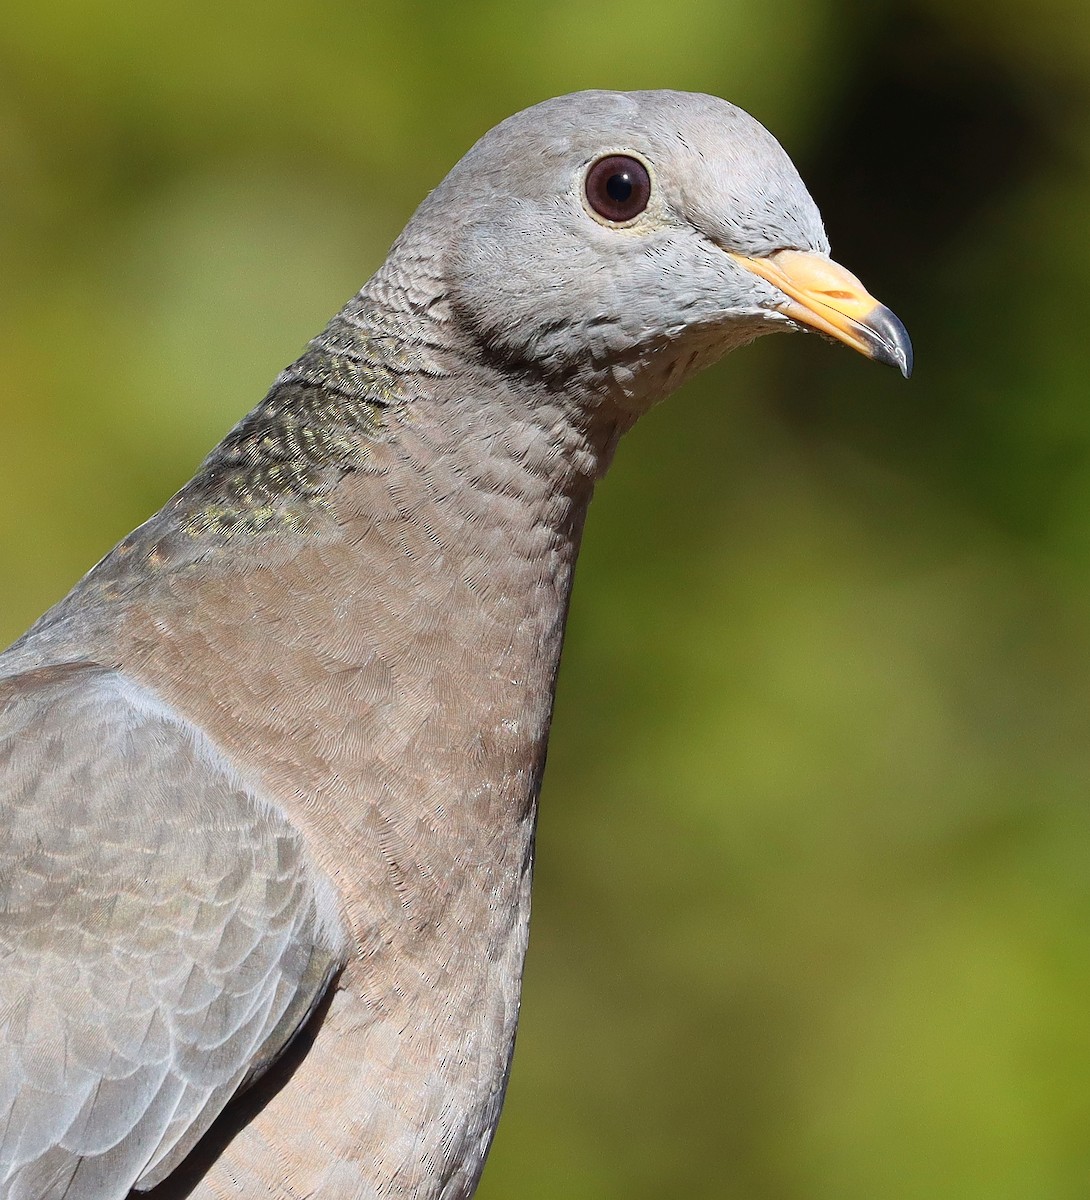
(162, 935)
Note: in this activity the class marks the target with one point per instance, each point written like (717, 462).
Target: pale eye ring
(618, 188)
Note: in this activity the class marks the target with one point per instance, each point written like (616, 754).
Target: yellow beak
(822, 294)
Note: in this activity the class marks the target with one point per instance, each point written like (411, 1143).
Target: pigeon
(269, 773)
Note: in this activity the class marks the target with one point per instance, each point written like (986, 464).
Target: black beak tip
(903, 355)
(890, 343)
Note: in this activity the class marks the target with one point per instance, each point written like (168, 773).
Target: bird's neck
(362, 595)
(395, 387)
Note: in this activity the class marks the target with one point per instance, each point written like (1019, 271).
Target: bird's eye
(618, 187)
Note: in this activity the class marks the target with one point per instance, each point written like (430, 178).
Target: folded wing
(163, 934)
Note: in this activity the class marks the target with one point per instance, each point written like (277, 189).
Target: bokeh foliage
(813, 902)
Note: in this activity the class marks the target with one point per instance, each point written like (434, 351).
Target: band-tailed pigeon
(270, 771)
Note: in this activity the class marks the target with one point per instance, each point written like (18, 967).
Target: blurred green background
(812, 915)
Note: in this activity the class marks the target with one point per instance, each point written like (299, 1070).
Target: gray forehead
(718, 168)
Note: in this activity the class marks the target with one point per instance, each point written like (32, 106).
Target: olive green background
(812, 915)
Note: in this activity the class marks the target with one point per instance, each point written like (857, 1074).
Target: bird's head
(631, 238)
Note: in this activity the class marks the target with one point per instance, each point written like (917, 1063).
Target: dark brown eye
(618, 187)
